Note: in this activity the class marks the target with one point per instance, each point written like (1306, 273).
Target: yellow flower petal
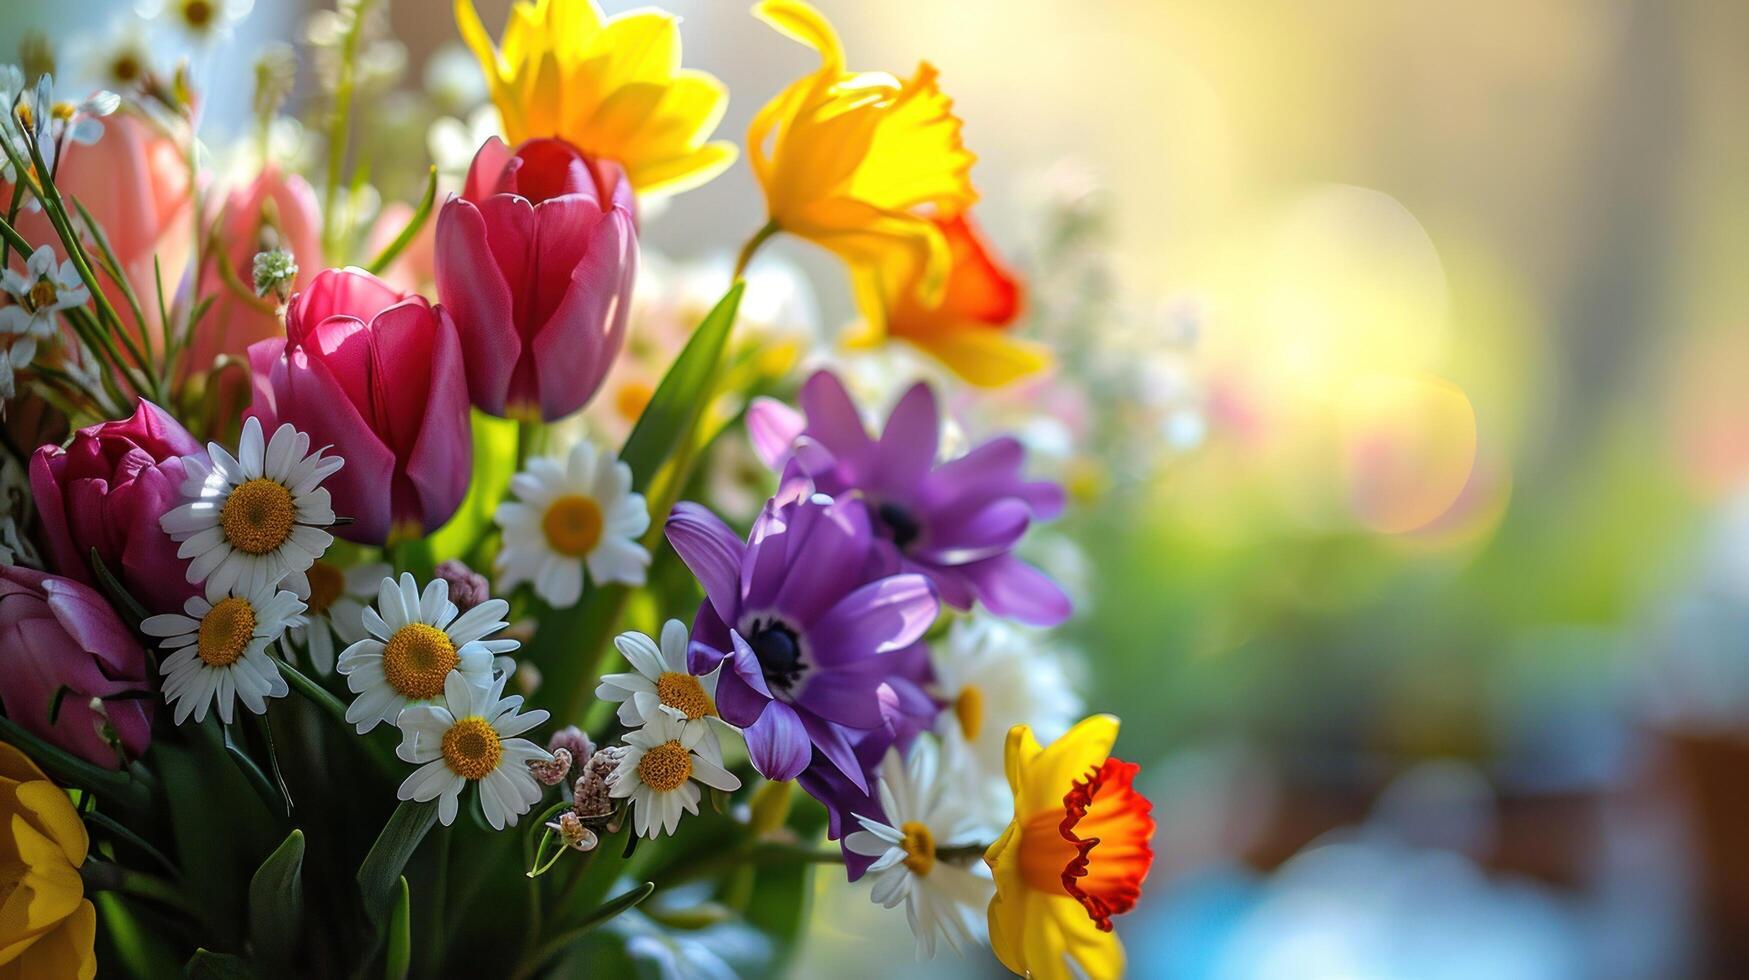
(612, 87)
(16, 766)
(986, 357)
(49, 810)
(1049, 774)
(47, 889)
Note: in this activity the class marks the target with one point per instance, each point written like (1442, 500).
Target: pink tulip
(275, 210)
(377, 374)
(55, 634)
(535, 260)
(106, 491)
(134, 181)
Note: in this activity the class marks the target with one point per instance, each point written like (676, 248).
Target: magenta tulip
(535, 260)
(377, 374)
(60, 641)
(106, 491)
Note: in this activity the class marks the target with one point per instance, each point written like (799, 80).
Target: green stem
(340, 126)
(312, 690)
(759, 238)
(100, 875)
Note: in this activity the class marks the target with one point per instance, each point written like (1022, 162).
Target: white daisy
(335, 608)
(993, 675)
(470, 739)
(38, 293)
(659, 766)
(661, 684)
(571, 513)
(925, 812)
(257, 518)
(220, 650)
(414, 643)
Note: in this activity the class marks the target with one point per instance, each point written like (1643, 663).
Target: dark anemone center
(900, 526)
(779, 653)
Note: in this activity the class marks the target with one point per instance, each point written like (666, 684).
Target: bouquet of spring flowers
(333, 644)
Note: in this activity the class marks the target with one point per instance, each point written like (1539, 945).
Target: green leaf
(400, 954)
(258, 780)
(71, 770)
(416, 222)
(208, 965)
(682, 394)
(276, 901)
(615, 905)
(116, 590)
(494, 463)
(401, 835)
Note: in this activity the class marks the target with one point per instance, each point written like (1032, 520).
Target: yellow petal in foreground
(612, 87)
(1075, 855)
(46, 925)
(855, 161)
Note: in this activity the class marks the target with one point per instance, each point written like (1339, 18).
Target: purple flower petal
(773, 427)
(908, 445)
(830, 741)
(712, 551)
(883, 615)
(1010, 587)
(777, 743)
(848, 697)
(833, 419)
(976, 530)
(826, 552)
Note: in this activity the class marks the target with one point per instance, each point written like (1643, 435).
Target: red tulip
(275, 210)
(377, 374)
(535, 260)
(56, 633)
(106, 491)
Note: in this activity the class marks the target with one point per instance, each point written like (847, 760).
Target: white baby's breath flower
(219, 643)
(415, 642)
(38, 293)
(568, 514)
(257, 518)
(470, 738)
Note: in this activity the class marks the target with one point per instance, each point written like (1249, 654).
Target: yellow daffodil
(858, 161)
(47, 926)
(968, 327)
(612, 87)
(1074, 856)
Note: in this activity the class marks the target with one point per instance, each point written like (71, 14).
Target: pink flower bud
(535, 260)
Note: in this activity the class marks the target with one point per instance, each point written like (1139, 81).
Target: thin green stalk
(340, 126)
(759, 238)
(313, 691)
(101, 875)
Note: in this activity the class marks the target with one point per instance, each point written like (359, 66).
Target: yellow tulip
(857, 162)
(612, 87)
(1074, 856)
(47, 926)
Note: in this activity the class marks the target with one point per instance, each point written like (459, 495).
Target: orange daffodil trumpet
(1073, 857)
(611, 87)
(874, 169)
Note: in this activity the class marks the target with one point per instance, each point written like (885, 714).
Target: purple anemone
(817, 642)
(956, 522)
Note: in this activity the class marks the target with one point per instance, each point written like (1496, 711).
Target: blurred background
(1405, 395)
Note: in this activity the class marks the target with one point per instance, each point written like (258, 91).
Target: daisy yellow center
(572, 525)
(666, 766)
(632, 398)
(225, 631)
(685, 694)
(197, 14)
(43, 294)
(472, 748)
(125, 68)
(919, 845)
(969, 709)
(258, 516)
(417, 659)
(326, 584)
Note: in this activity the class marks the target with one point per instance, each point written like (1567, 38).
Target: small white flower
(220, 650)
(924, 812)
(661, 684)
(470, 739)
(659, 768)
(257, 518)
(41, 291)
(415, 643)
(336, 600)
(569, 514)
(994, 675)
(16, 357)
